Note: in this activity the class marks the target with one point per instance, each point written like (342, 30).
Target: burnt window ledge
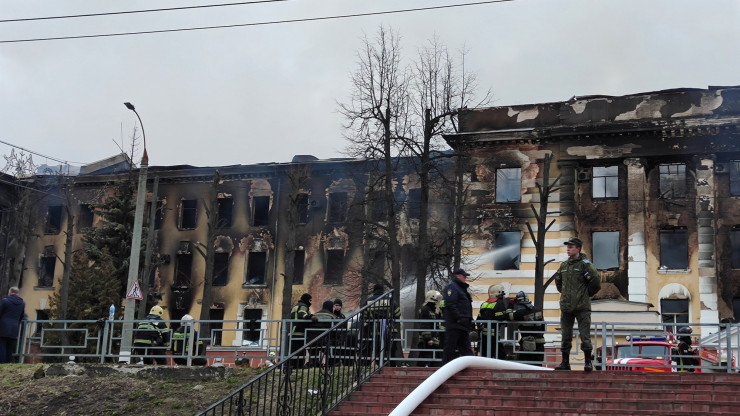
(255, 285)
(674, 271)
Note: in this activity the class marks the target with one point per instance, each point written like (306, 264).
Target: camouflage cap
(574, 241)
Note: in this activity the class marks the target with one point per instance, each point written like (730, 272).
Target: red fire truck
(658, 354)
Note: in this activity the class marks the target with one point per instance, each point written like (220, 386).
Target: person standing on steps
(458, 316)
(577, 280)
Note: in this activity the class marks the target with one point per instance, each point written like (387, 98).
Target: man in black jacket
(11, 314)
(458, 317)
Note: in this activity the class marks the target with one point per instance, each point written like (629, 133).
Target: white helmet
(496, 291)
(186, 319)
(433, 296)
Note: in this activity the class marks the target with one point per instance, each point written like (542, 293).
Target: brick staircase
(476, 392)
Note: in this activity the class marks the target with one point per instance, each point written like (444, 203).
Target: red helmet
(686, 330)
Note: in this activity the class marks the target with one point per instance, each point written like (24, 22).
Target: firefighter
(325, 320)
(531, 334)
(686, 354)
(491, 312)
(151, 337)
(429, 340)
(301, 312)
(181, 343)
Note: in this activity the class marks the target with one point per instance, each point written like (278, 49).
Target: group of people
(577, 280)
(152, 340)
(308, 325)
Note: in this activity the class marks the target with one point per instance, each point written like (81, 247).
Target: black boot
(587, 367)
(565, 365)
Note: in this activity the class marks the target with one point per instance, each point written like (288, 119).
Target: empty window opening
(220, 269)
(378, 206)
(41, 315)
(606, 250)
(299, 258)
(674, 311)
(414, 203)
(302, 208)
(261, 215)
(508, 185)
(225, 212)
(674, 249)
(337, 206)
(53, 220)
(735, 245)
(736, 309)
(47, 267)
(334, 267)
(183, 268)
(256, 266)
(85, 217)
(158, 215)
(216, 327)
(672, 180)
(735, 177)
(605, 182)
(507, 250)
(252, 325)
(188, 214)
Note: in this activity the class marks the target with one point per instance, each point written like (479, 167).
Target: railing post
(104, 346)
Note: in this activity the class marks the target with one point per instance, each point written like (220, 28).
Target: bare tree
(377, 116)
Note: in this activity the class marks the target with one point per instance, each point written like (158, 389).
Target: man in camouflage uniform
(577, 280)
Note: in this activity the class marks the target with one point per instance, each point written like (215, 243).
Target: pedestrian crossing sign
(134, 292)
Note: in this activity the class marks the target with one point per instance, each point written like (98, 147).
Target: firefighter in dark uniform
(325, 320)
(151, 338)
(686, 354)
(181, 343)
(458, 317)
(531, 334)
(302, 313)
(429, 341)
(491, 312)
(577, 280)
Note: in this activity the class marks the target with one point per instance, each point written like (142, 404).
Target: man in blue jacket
(458, 316)
(11, 314)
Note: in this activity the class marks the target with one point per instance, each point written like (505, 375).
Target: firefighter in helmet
(429, 340)
(686, 354)
(492, 311)
(152, 337)
(181, 343)
(531, 332)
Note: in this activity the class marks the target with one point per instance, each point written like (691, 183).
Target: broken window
(378, 206)
(261, 214)
(674, 249)
(376, 268)
(183, 265)
(158, 216)
(188, 214)
(672, 180)
(41, 315)
(605, 182)
(735, 245)
(508, 185)
(302, 208)
(85, 217)
(299, 258)
(735, 177)
(252, 324)
(220, 269)
(334, 267)
(674, 311)
(507, 250)
(256, 266)
(225, 212)
(337, 206)
(217, 327)
(53, 220)
(414, 203)
(606, 249)
(47, 266)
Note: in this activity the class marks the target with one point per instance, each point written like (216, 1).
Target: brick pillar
(705, 203)
(636, 256)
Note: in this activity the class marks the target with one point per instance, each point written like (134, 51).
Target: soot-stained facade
(650, 182)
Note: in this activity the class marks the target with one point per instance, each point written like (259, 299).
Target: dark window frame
(225, 212)
(675, 311)
(188, 214)
(334, 272)
(183, 269)
(674, 243)
(503, 240)
(256, 263)
(53, 225)
(260, 210)
(85, 217)
(47, 267)
(598, 256)
(604, 178)
(672, 181)
(734, 177)
(337, 207)
(302, 208)
(413, 203)
(299, 266)
(221, 269)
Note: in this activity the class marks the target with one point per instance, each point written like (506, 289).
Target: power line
(169, 9)
(310, 19)
(39, 154)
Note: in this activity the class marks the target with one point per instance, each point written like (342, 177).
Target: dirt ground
(33, 389)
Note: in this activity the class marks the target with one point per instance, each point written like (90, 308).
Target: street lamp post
(133, 268)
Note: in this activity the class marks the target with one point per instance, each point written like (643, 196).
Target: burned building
(650, 182)
(279, 230)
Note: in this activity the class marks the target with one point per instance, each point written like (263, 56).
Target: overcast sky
(257, 94)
